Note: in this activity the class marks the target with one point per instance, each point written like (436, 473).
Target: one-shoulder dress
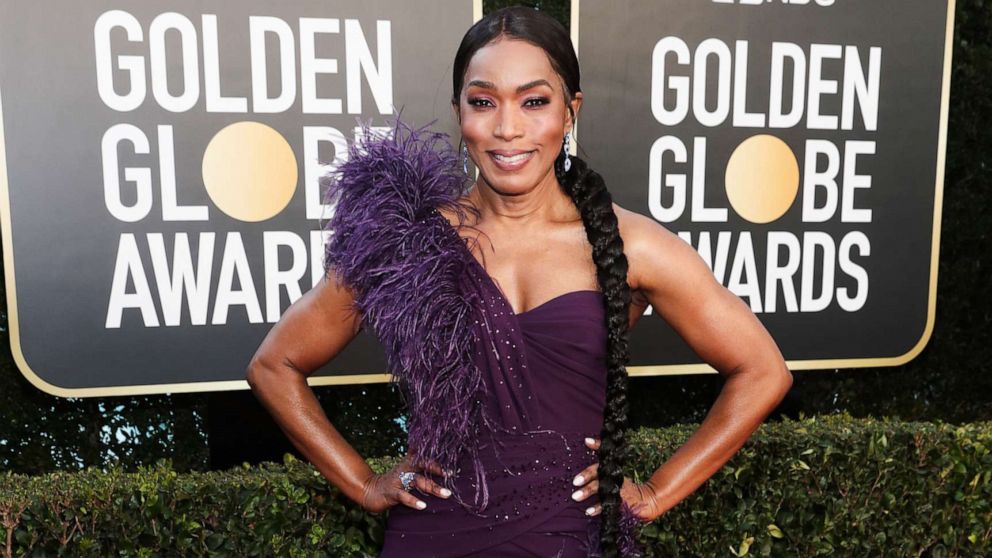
(545, 372)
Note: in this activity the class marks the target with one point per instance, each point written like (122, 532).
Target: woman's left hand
(639, 496)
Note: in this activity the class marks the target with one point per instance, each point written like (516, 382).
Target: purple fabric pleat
(504, 400)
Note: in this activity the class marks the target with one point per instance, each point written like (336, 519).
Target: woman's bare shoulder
(657, 258)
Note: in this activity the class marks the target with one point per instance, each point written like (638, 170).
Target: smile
(511, 162)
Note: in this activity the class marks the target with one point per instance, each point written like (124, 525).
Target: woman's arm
(313, 330)
(723, 331)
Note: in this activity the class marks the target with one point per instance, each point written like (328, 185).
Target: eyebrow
(522, 88)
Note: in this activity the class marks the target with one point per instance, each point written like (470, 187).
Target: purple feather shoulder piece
(397, 253)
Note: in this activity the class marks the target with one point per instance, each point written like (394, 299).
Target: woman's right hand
(383, 491)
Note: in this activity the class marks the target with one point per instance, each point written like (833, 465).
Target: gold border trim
(647, 370)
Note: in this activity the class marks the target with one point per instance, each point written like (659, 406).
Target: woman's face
(513, 115)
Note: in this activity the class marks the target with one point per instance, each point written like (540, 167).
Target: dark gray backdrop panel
(64, 239)
(616, 130)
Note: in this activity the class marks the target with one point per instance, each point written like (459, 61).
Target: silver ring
(406, 478)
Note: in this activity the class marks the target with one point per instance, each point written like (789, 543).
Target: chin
(514, 182)
(510, 183)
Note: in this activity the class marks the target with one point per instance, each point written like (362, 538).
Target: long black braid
(588, 191)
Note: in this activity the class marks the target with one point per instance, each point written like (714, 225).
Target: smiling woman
(512, 121)
(504, 307)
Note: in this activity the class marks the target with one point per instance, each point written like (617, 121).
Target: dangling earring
(565, 145)
(465, 158)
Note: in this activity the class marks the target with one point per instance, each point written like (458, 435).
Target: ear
(456, 110)
(575, 104)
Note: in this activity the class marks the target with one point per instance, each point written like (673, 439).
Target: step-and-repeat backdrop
(797, 145)
(159, 168)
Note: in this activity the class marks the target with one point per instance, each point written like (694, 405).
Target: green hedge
(825, 486)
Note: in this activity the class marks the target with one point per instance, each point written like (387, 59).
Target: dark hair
(588, 191)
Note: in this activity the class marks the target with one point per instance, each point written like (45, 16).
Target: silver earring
(465, 158)
(565, 145)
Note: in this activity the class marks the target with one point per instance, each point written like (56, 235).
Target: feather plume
(627, 539)
(630, 527)
(399, 256)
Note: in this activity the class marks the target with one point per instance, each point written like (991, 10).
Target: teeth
(514, 159)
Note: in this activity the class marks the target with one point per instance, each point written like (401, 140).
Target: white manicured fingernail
(445, 492)
(578, 480)
(576, 495)
(590, 441)
(421, 505)
(590, 510)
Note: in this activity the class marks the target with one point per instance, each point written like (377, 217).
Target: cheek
(549, 128)
(474, 128)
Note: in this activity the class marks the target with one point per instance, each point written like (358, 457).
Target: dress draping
(545, 375)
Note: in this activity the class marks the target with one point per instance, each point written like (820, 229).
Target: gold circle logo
(249, 171)
(762, 178)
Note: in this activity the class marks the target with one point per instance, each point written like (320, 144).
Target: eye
(538, 101)
(479, 102)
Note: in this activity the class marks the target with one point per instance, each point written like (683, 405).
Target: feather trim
(628, 536)
(630, 526)
(390, 245)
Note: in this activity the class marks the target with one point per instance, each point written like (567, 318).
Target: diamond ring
(406, 478)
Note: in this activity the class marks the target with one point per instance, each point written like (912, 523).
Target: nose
(508, 124)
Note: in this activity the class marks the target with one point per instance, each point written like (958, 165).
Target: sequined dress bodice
(545, 374)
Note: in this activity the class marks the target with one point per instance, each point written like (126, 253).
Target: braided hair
(588, 191)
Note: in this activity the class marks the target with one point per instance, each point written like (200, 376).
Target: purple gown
(545, 373)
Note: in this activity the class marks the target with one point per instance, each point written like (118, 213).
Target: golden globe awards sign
(159, 167)
(797, 145)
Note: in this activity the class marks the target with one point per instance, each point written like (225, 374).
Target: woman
(533, 265)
